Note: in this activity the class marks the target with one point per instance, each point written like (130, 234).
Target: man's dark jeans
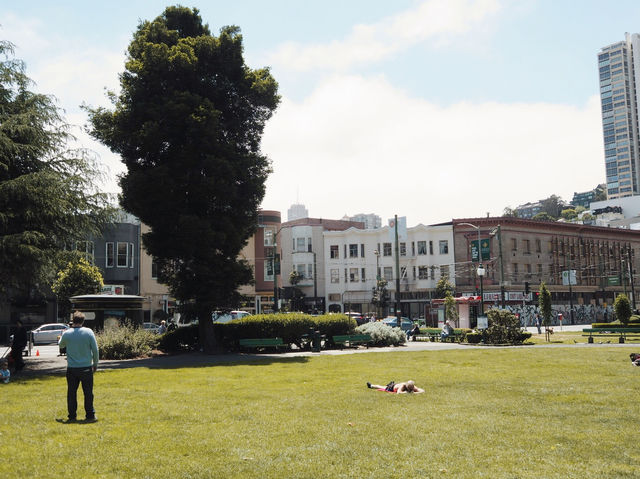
(75, 376)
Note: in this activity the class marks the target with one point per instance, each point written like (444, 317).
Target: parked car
(48, 333)
(220, 317)
(406, 323)
(151, 327)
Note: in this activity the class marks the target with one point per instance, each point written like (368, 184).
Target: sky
(429, 109)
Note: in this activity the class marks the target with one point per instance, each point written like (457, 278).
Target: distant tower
(371, 221)
(619, 70)
(296, 212)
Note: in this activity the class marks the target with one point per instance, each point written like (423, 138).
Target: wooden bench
(352, 339)
(435, 334)
(258, 343)
(608, 332)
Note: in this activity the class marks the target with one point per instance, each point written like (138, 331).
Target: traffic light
(526, 288)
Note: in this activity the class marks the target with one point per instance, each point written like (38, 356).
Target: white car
(219, 317)
(48, 333)
(151, 327)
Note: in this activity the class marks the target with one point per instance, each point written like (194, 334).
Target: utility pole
(398, 312)
(633, 292)
(315, 281)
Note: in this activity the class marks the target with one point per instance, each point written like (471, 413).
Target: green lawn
(490, 413)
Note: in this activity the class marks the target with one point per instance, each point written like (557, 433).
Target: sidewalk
(37, 366)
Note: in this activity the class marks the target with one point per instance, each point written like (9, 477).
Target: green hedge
(473, 337)
(126, 342)
(289, 326)
(180, 339)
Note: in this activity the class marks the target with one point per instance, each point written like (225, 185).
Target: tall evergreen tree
(48, 193)
(188, 124)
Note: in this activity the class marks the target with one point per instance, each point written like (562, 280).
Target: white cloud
(360, 145)
(435, 20)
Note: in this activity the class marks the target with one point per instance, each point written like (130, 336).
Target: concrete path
(49, 364)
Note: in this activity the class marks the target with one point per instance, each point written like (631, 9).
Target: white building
(371, 220)
(351, 267)
(619, 73)
(296, 212)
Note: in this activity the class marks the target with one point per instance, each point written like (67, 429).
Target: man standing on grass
(82, 362)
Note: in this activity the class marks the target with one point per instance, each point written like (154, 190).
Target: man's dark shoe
(67, 421)
(91, 419)
(369, 385)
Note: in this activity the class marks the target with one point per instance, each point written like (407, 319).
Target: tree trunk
(209, 342)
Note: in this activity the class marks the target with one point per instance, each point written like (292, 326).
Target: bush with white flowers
(383, 334)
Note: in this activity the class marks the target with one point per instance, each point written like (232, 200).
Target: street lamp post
(497, 231)
(377, 253)
(481, 271)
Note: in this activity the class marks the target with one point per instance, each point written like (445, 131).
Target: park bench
(434, 334)
(352, 339)
(260, 343)
(624, 333)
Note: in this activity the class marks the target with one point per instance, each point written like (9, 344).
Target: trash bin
(316, 341)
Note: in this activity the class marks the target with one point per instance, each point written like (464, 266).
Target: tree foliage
(380, 296)
(188, 124)
(503, 328)
(451, 308)
(443, 288)
(78, 277)
(622, 307)
(48, 193)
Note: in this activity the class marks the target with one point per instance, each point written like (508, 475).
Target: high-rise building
(296, 212)
(371, 221)
(619, 70)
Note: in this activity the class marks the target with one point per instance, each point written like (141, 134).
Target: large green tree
(48, 193)
(188, 124)
(77, 277)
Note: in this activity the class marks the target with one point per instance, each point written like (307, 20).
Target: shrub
(290, 327)
(383, 334)
(179, 339)
(504, 328)
(126, 342)
(615, 324)
(473, 337)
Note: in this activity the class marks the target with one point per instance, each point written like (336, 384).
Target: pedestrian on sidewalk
(82, 362)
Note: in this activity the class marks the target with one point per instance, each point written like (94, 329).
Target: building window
(335, 252)
(515, 272)
(363, 277)
(86, 250)
(539, 270)
(538, 246)
(309, 245)
(130, 255)
(268, 237)
(386, 249)
(362, 250)
(346, 276)
(432, 272)
(526, 245)
(353, 251)
(310, 271)
(444, 247)
(403, 272)
(299, 245)
(353, 275)
(335, 275)
(514, 244)
(413, 248)
(301, 269)
(154, 269)
(422, 247)
(123, 255)
(444, 271)
(403, 249)
(528, 270)
(109, 255)
(414, 272)
(423, 272)
(430, 247)
(388, 273)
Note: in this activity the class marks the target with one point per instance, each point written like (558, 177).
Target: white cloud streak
(435, 20)
(360, 145)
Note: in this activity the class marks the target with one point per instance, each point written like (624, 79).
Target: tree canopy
(77, 277)
(48, 193)
(188, 124)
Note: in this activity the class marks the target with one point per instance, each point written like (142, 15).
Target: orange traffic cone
(37, 352)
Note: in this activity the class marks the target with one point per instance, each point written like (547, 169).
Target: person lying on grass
(635, 359)
(398, 388)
